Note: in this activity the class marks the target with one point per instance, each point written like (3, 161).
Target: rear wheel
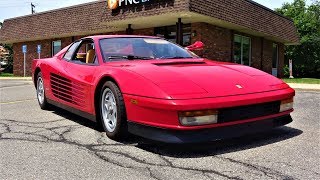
(112, 111)
(41, 95)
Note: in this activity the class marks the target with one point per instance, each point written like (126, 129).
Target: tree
(306, 56)
(8, 57)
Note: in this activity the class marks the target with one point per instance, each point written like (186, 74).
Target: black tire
(43, 103)
(120, 130)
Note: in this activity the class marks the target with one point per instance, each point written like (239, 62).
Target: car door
(50, 70)
(78, 75)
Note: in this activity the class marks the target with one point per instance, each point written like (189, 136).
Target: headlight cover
(196, 118)
(286, 105)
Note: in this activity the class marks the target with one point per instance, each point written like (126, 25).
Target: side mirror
(198, 45)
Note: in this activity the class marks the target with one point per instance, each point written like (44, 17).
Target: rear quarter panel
(46, 66)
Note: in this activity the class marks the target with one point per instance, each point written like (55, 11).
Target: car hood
(183, 79)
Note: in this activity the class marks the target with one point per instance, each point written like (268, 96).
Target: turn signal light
(286, 105)
(195, 118)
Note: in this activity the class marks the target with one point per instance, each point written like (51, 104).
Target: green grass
(6, 75)
(303, 80)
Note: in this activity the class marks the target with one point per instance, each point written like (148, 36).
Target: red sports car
(153, 88)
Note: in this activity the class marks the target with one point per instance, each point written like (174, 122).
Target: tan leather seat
(90, 56)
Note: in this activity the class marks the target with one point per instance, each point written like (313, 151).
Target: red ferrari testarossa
(153, 88)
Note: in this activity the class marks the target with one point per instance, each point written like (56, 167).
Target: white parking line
(15, 102)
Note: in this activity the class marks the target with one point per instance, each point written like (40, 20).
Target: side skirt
(73, 110)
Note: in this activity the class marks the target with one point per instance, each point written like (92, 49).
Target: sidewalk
(17, 78)
(310, 87)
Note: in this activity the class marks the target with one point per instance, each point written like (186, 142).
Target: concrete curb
(17, 78)
(305, 87)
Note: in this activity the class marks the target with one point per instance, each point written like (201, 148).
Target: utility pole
(32, 8)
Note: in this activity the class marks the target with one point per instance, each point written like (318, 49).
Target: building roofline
(54, 10)
(96, 1)
(268, 9)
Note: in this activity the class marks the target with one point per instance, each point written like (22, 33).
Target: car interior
(85, 54)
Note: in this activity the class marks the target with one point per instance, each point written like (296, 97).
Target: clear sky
(14, 8)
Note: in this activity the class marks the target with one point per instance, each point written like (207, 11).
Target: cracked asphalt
(55, 144)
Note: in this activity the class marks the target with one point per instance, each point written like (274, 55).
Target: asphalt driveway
(36, 144)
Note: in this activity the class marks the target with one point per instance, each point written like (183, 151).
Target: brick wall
(218, 46)
(256, 43)
(32, 53)
(87, 18)
(267, 56)
(155, 7)
(217, 41)
(146, 32)
(248, 14)
(281, 59)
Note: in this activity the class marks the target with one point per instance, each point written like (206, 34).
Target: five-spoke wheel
(41, 95)
(112, 111)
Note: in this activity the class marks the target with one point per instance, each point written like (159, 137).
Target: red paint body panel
(162, 88)
(163, 113)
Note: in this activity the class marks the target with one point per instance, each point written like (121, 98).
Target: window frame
(52, 47)
(72, 52)
(77, 49)
(104, 60)
(241, 56)
(166, 33)
(277, 50)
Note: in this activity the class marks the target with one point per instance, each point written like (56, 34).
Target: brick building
(240, 31)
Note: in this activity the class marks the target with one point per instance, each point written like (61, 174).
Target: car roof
(97, 37)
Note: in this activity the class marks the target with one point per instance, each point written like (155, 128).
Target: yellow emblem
(113, 4)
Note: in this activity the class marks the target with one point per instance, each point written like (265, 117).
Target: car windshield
(119, 49)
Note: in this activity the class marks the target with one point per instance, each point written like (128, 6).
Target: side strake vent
(66, 90)
(177, 63)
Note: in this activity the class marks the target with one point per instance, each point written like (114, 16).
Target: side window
(85, 53)
(70, 52)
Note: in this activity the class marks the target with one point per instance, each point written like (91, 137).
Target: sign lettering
(114, 4)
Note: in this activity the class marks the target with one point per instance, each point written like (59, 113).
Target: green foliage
(306, 56)
(6, 75)
(286, 71)
(302, 80)
(9, 66)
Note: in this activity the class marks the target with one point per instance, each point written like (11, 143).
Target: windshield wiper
(175, 57)
(129, 57)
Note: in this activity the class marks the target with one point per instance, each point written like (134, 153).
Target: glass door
(242, 50)
(275, 59)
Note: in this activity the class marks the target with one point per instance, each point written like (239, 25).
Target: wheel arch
(97, 93)
(36, 72)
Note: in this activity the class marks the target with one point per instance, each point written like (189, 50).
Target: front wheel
(41, 94)
(113, 112)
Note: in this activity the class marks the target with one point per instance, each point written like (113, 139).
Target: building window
(56, 47)
(275, 56)
(242, 50)
(170, 33)
(275, 59)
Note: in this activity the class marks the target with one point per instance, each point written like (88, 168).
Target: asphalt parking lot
(36, 144)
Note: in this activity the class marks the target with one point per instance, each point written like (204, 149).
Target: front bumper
(206, 135)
